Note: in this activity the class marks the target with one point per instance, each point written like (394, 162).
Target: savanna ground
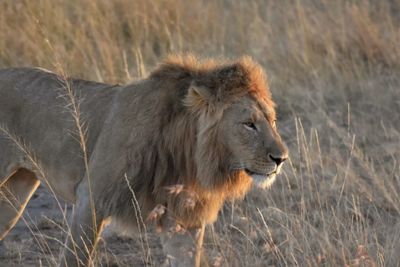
(334, 71)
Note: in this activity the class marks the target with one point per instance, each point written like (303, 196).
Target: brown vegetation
(333, 68)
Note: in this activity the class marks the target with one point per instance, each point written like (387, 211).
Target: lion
(172, 148)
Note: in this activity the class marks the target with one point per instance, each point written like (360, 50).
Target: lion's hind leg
(15, 193)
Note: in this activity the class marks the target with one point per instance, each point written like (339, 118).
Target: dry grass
(334, 69)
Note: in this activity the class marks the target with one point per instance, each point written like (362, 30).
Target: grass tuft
(334, 70)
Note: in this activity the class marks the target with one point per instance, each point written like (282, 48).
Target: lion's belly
(61, 185)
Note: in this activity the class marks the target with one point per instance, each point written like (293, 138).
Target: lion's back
(39, 99)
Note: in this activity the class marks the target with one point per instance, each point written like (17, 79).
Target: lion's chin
(263, 181)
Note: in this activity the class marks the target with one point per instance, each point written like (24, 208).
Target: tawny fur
(169, 129)
(176, 145)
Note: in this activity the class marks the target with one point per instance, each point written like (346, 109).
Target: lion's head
(237, 133)
(226, 138)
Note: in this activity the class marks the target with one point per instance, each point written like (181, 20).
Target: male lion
(171, 148)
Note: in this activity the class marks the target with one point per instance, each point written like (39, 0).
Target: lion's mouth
(252, 173)
(263, 180)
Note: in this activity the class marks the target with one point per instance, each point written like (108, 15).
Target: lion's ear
(198, 97)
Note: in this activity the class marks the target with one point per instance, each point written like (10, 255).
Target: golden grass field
(334, 71)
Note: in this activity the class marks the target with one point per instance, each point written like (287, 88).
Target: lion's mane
(178, 153)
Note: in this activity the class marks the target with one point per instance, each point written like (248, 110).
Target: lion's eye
(250, 126)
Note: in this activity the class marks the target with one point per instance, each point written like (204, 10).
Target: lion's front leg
(85, 229)
(184, 248)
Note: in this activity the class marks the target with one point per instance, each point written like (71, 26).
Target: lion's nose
(278, 159)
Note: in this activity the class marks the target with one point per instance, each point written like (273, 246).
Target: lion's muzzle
(265, 180)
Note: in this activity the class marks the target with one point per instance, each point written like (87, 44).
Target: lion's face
(236, 141)
(248, 130)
